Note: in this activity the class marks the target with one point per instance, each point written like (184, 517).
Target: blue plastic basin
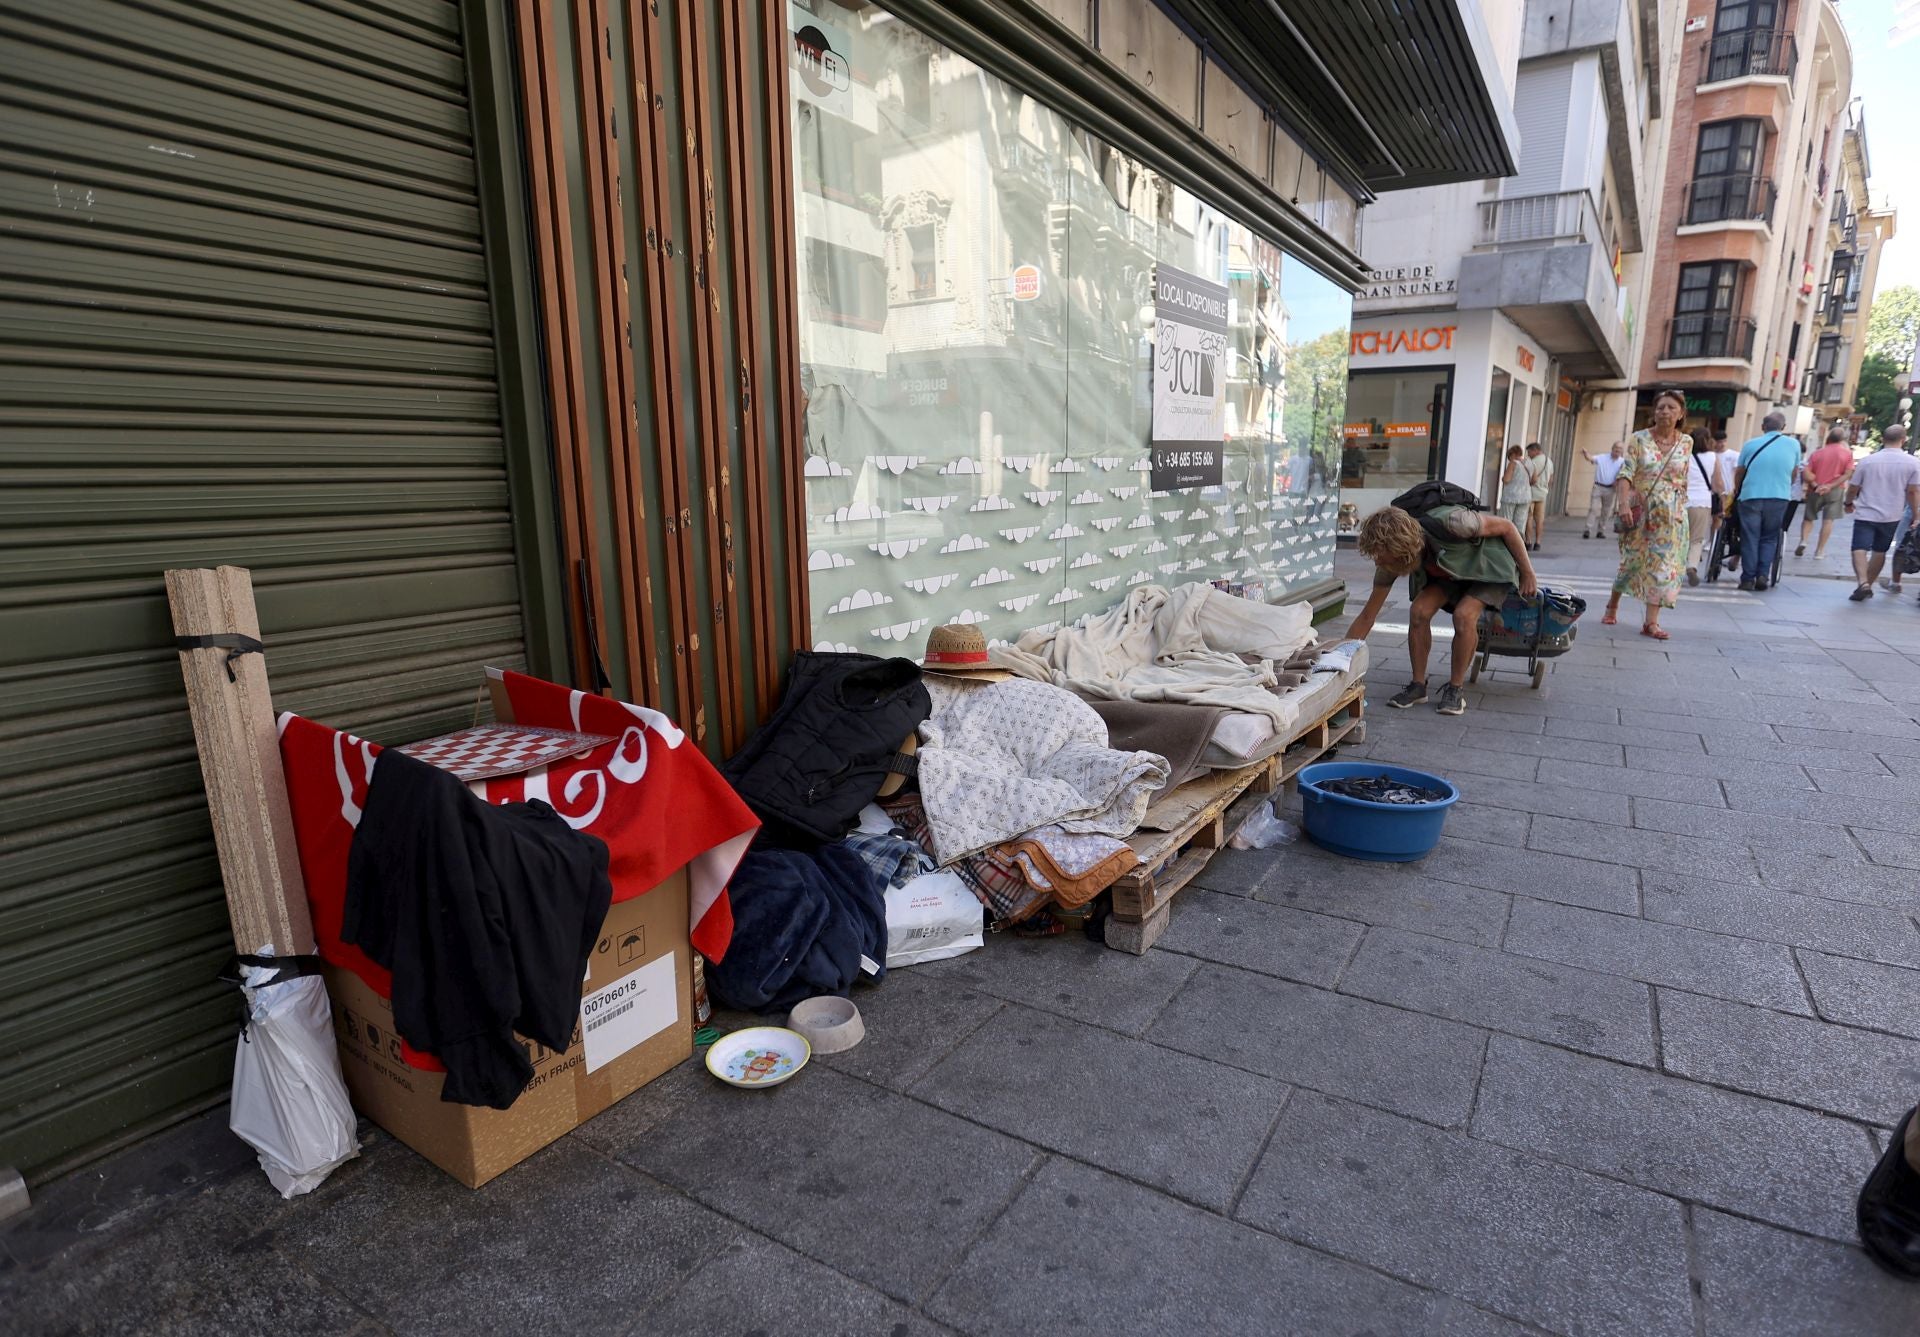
(1362, 829)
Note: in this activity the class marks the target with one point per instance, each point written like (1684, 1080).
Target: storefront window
(1500, 393)
(1394, 436)
(977, 343)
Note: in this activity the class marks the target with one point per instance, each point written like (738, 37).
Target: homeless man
(1459, 561)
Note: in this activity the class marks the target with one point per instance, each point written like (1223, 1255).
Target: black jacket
(823, 755)
(485, 914)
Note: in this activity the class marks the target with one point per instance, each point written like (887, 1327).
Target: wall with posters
(982, 286)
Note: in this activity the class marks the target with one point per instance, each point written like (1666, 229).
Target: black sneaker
(1888, 1210)
(1747, 585)
(1452, 701)
(1861, 593)
(1410, 695)
(1585, 535)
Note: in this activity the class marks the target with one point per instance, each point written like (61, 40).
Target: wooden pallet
(1197, 819)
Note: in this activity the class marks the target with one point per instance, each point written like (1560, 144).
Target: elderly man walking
(1885, 487)
(1826, 473)
(1762, 485)
(1606, 472)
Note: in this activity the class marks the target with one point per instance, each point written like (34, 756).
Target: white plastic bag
(1263, 830)
(289, 1101)
(931, 918)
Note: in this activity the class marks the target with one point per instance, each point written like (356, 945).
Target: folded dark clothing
(802, 922)
(484, 913)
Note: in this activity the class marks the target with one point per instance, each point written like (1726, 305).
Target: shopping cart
(1726, 546)
(1531, 629)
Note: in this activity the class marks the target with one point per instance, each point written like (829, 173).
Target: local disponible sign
(1189, 380)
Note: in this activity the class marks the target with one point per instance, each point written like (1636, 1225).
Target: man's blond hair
(1393, 540)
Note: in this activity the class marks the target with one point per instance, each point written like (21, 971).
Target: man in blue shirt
(1762, 484)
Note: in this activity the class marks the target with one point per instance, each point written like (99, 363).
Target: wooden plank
(1136, 900)
(239, 745)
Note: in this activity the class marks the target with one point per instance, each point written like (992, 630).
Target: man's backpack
(1422, 499)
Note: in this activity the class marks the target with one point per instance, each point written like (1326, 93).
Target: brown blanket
(1171, 729)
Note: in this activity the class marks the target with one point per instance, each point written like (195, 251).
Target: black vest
(823, 755)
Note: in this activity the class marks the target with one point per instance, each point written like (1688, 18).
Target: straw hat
(960, 651)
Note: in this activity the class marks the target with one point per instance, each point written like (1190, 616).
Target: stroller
(1726, 546)
(1531, 629)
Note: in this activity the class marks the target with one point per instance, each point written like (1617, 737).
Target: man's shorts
(1490, 595)
(1825, 506)
(1873, 535)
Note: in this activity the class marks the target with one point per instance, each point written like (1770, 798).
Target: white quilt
(1002, 759)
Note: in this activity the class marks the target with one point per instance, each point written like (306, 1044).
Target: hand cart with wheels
(1726, 546)
(1531, 629)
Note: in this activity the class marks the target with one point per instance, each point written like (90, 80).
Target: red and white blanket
(654, 798)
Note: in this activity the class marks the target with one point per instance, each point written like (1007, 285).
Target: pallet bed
(1201, 815)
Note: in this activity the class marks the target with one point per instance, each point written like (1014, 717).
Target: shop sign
(1026, 283)
(1711, 403)
(1189, 382)
(1368, 343)
(821, 74)
(1391, 429)
(1405, 281)
(923, 391)
(1525, 355)
(1354, 429)
(1406, 429)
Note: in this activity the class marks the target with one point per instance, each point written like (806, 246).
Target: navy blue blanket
(801, 923)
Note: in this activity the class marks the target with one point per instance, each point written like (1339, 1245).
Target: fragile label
(630, 1011)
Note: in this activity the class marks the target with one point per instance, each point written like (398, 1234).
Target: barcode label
(629, 1011)
(606, 1017)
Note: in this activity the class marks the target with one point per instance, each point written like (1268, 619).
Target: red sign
(1366, 343)
(1406, 429)
(1526, 358)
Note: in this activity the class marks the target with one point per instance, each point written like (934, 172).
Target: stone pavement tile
(1864, 993)
(1417, 724)
(1581, 1009)
(1530, 745)
(1739, 726)
(759, 1287)
(1185, 1126)
(1740, 1153)
(565, 1231)
(1881, 812)
(1400, 895)
(878, 1186)
(685, 1085)
(1632, 781)
(1736, 825)
(1638, 848)
(1716, 765)
(1269, 939)
(1873, 783)
(1512, 723)
(1627, 735)
(1884, 732)
(1071, 976)
(1560, 702)
(1840, 876)
(1549, 877)
(911, 1022)
(1234, 872)
(1836, 754)
(1412, 1064)
(1452, 762)
(1593, 805)
(1083, 1252)
(1889, 847)
(1907, 768)
(1865, 931)
(1485, 825)
(1756, 1281)
(1761, 973)
(1558, 1247)
(1857, 1074)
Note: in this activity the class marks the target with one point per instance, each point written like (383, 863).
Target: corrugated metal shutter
(1542, 98)
(243, 319)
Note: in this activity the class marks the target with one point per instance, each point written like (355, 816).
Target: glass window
(1492, 461)
(1726, 169)
(1393, 436)
(977, 346)
(1703, 320)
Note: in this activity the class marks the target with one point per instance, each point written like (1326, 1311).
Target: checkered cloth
(999, 879)
(893, 855)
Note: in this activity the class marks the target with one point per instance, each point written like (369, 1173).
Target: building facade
(1846, 259)
(1756, 157)
(1507, 311)
(637, 346)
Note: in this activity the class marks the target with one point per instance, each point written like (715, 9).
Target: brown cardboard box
(638, 1024)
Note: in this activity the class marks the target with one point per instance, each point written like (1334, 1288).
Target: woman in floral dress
(1653, 486)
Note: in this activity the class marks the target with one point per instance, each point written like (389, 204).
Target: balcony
(1750, 54)
(1710, 335)
(1732, 198)
(1546, 261)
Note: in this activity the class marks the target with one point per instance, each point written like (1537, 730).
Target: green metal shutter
(244, 319)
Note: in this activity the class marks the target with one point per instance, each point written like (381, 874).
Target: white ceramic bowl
(830, 1024)
(758, 1056)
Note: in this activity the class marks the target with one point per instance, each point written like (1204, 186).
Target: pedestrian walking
(1606, 472)
(1885, 486)
(1516, 494)
(1892, 583)
(1888, 1210)
(1703, 501)
(1652, 499)
(1826, 474)
(1539, 467)
(1762, 490)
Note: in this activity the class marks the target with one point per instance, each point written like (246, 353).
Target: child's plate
(758, 1056)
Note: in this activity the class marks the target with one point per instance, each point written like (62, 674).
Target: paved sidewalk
(1612, 1061)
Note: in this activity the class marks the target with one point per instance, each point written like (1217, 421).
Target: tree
(1877, 397)
(1316, 403)
(1894, 323)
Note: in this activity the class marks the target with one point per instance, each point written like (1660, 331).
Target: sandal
(1609, 618)
(1655, 632)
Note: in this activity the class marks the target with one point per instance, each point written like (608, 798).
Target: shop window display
(1393, 436)
(977, 339)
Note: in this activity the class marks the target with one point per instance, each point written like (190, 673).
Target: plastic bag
(289, 1101)
(932, 918)
(1264, 830)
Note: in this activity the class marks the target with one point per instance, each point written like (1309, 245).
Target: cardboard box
(635, 1024)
